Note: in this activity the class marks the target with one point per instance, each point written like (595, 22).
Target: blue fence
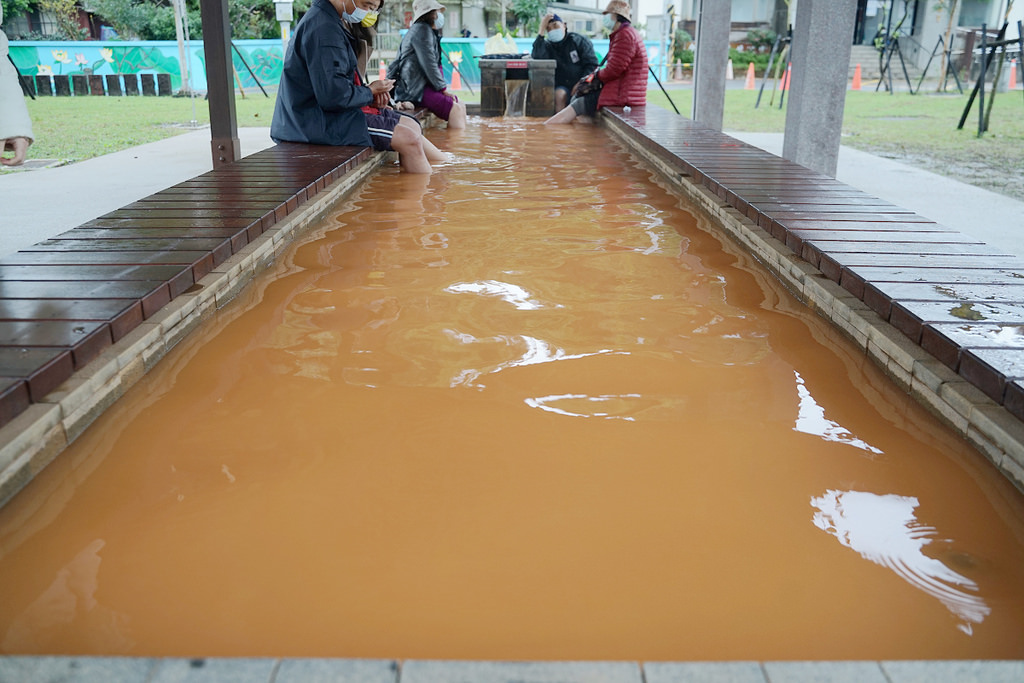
(264, 57)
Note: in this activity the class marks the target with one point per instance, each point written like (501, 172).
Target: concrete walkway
(38, 204)
(222, 670)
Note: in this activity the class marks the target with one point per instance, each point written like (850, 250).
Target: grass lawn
(918, 129)
(78, 128)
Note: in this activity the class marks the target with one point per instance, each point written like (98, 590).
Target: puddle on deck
(528, 409)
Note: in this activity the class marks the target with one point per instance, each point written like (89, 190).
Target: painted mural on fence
(256, 62)
(253, 59)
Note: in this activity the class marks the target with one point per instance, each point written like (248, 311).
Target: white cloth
(14, 120)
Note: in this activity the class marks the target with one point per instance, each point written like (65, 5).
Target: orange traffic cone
(749, 85)
(456, 79)
(786, 76)
(383, 72)
(1013, 75)
(856, 78)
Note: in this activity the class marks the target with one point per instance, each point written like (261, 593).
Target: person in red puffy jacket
(622, 81)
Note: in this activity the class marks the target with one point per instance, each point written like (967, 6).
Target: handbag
(586, 85)
(395, 68)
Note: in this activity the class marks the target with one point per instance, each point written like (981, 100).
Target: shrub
(761, 39)
(740, 60)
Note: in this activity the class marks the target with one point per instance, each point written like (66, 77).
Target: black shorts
(381, 127)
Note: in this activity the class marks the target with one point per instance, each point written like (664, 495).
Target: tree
(154, 19)
(952, 6)
(66, 13)
(15, 8)
(528, 14)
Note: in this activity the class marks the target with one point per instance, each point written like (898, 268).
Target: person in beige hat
(623, 79)
(419, 76)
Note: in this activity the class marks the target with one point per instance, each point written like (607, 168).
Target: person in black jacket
(420, 78)
(573, 54)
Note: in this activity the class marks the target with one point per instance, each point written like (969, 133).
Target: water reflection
(513, 294)
(581, 405)
(69, 602)
(536, 351)
(883, 529)
(811, 420)
(628, 407)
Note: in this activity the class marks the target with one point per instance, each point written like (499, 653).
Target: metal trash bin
(539, 73)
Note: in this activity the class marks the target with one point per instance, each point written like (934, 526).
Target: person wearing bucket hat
(623, 79)
(573, 54)
(321, 95)
(419, 76)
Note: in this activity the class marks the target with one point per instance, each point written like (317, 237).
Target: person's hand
(384, 86)
(544, 23)
(381, 100)
(17, 145)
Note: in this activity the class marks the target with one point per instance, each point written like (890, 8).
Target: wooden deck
(64, 300)
(961, 300)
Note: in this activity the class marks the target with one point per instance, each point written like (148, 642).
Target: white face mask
(556, 35)
(357, 15)
(608, 20)
(439, 21)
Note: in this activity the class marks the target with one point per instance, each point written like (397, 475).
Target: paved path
(221, 670)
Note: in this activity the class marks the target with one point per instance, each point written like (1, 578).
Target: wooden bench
(63, 301)
(958, 298)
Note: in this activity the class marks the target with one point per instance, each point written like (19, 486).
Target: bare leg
(457, 116)
(566, 115)
(407, 140)
(561, 98)
(432, 152)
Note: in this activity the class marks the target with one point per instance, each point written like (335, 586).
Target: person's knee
(406, 138)
(457, 115)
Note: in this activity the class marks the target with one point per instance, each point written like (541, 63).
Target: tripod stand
(947, 57)
(784, 42)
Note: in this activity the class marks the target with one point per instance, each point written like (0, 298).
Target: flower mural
(60, 58)
(44, 70)
(107, 54)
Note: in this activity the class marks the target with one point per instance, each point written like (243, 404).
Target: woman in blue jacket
(321, 95)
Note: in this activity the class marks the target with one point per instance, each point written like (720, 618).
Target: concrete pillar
(822, 41)
(713, 20)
